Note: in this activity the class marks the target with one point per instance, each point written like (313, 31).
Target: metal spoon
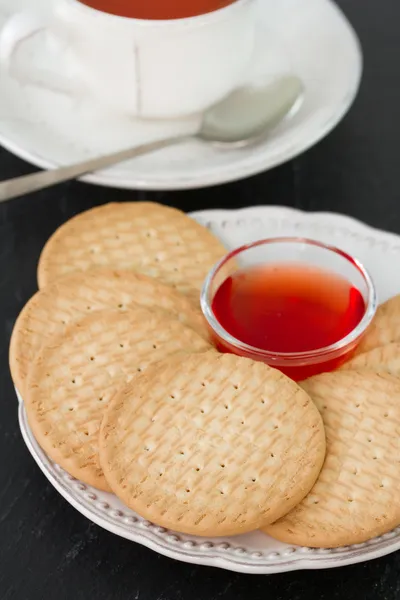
(238, 120)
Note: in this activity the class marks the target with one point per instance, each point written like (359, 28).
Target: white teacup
(146, 68)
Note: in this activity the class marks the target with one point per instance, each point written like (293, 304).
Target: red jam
(288, 308)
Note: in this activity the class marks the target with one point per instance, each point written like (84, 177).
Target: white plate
(49, 129)
(255, 552)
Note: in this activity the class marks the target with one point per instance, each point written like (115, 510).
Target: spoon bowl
(249, 113)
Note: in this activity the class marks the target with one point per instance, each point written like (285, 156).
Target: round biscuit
(213, 445)
(356, 495)
(156, 240)
(75, 295)
(73, 378)
(385, 328)
(384, 359)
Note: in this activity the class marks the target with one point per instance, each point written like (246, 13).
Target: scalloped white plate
(255, 552)
(50, 129)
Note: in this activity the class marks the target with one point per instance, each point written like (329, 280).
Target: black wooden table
(50, 552)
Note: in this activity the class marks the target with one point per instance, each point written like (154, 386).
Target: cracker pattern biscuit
(385, 327)
(156, 240)
(215, 445)
(75, 375)
(78, 294)
(356, 496)
(384, 359)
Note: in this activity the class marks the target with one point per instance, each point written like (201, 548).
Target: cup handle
(19, 29)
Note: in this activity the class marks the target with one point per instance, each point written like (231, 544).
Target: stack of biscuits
(124, 390)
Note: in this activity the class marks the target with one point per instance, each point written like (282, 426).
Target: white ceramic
(255, 552)
(150, 69)
(50, 129)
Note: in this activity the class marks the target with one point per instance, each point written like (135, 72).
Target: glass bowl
(301, 252)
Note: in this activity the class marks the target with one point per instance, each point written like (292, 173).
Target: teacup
(143, 67)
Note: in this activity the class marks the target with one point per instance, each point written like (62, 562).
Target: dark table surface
(48, 550)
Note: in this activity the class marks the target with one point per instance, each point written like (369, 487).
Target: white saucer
(310, 37)
(253, 552)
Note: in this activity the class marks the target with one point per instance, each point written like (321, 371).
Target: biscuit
(356, 495)
(73, 378)
(385, 327)
(146, 237)
(384, 359)
(77, 294)
(213, 445)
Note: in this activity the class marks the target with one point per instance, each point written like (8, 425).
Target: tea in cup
(157, 9)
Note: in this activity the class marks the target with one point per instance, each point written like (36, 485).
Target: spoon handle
(26, 184)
